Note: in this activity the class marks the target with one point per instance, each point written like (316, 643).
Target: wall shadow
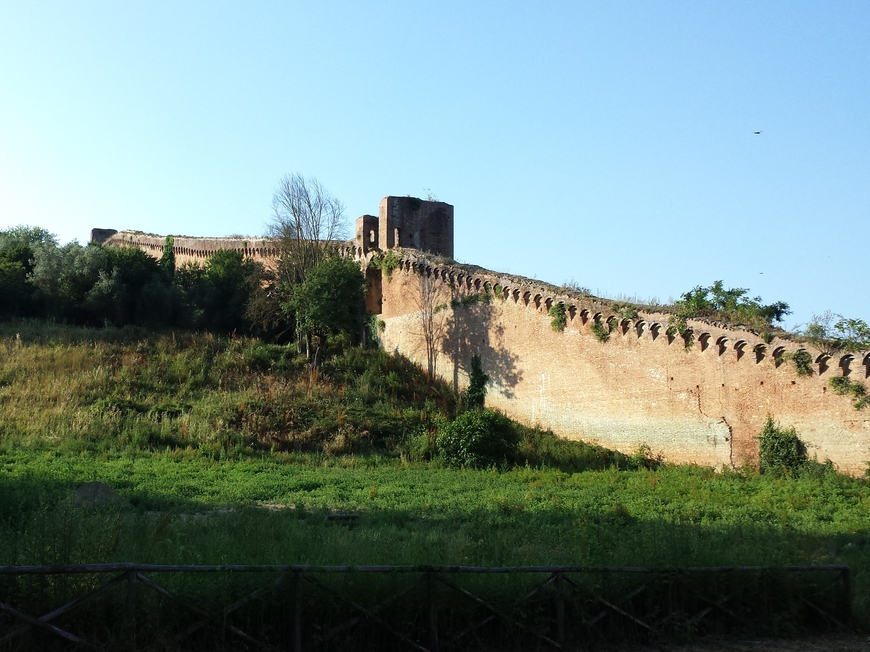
(472, 330)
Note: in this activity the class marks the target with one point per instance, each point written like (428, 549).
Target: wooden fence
(424, 608)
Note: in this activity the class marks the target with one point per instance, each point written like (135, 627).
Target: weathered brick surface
(705, 403)
(688, 404)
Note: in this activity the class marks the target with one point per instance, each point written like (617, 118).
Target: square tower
(416, 224)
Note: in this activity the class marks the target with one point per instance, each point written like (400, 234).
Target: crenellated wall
(703, 400)
(195, 250)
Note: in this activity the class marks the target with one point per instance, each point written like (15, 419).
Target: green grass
(211, 440)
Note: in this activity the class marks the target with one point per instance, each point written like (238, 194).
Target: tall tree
(329, 301)
(306, 221)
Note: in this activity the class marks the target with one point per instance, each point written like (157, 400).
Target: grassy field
(229, 451)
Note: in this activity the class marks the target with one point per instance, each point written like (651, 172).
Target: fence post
(297, 612)
(131, 607)
(846, 576)
(433, 612)
(560, 608)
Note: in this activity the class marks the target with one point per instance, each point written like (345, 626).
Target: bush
(477, 439)
(558, 312)
(781, 450)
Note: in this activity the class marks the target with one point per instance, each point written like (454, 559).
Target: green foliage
(558, 311)
(803, 362)
(167, 260)
(386, 262)
(17, 249)
(331, 300)
(475, 395)
(471, 299)
(477, 439)
(600, 331)
(844, 386)
(841, 335)
(625, 310)
(732, 305)
(781, 451)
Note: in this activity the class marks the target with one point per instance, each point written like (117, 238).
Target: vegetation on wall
(781, 451)
(600, 331)
(386, 262)
(730, 305)
(832, 333)
(843, 386)
(803, 362)
(559, 313)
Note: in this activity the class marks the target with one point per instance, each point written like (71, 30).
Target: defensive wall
(701, 398)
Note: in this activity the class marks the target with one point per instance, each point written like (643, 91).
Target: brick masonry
(703, 403)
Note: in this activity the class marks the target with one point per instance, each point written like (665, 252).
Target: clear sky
(606, 142)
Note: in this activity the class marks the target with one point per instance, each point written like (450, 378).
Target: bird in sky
(757, 133)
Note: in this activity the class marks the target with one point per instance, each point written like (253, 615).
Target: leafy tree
(478, 439)
(329, 301)
(475, 395)
(167, 260)
(225, 287)
(831, 332)
(63, 277)
(732, 305)
(17, 247)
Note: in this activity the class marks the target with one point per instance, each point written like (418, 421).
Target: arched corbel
(778, 355)
(845, 364)
(822, 360)
(760, 351)
(640, 326)
(721, 344)
(704, 341)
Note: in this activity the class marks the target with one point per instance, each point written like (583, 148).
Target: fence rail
(426, 608)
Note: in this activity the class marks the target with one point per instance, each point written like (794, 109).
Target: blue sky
(609, 143)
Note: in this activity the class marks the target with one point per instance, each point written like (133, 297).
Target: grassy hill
(210, 439)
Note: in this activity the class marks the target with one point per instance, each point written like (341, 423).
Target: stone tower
(413, 223)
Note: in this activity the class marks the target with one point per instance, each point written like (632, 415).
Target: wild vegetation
(181, 390)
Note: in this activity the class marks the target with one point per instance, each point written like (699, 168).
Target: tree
(17, 249)
(331, 300)
(731, 305)
(431, 307)
(844, 334)
(475, 395)
(225, 289)
(306, 220)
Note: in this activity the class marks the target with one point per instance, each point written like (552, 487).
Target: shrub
(803, 362)
(558, 312)
(477, 439)
(780, 449)
(843, 386)
(600, 331)
(475, 395)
